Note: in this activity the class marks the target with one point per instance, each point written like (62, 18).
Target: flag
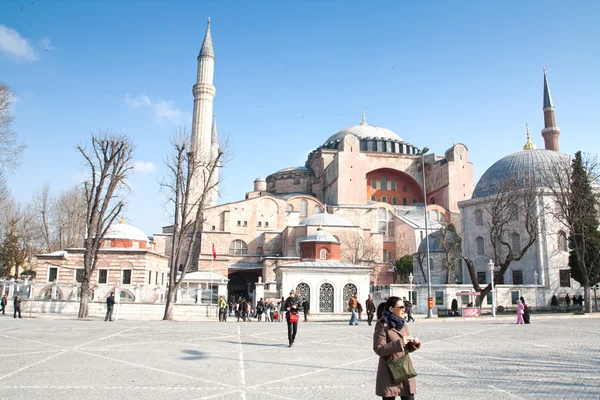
(214, 252)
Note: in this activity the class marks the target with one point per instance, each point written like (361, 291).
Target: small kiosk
(469, 311)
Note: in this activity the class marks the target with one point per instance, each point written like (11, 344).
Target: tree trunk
(169, 306)
(83, 302)
(587, 299)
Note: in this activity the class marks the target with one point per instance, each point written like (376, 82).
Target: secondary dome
(534, 163)
(123, 230)
(321, 236)
(365, 131)
(325, 219)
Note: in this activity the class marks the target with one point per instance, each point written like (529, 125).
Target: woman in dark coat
(392, 340)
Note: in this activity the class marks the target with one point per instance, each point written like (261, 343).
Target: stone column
(32, 289)
(54, 291)
(136, 294)
(199, 294)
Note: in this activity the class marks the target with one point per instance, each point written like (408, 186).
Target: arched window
(393, 183)
(373, 183)
(404, 201)
(516, 242)
(383, 183)
(563, 244)
(349, 291)
(432, 200)
(388, 257)
(373, 198)
(238, 248)
(415, 200)
(303, 291)
(326, 298)
(480, 246)
(323, 254)
(404, 188)
(317, 210)
(298, 240)
(303, 208)
(289, 208)
(395, 201)
(384, 199)
(385, 222)
(478, 217)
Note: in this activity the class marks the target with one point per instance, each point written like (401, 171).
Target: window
(565, 277)
(259, 223)
(404, 188)
(415, 200)
(373, 183)
(373, 198)
(414, 297)
(516, 242)
(383, 183)
(238, 248)
(259, 249)
(481, 277)
(162, 279)
(136, 245)
(52, 274)
(317, 210)
(384, 199)
(298, 240)
(266, 224)
(126, 277)
(303, 208)
(404, 201)
(245, 223)
(289, 208)
(103, 276)
(107, 243)
(514, 296)
(156, 278)
(395, 201)
(480, 246)
(517, 277)
(149, 277)
(393, 183)
(386, 222)
(239, 223)
(213, 228)
(489, 297)
(323, 254)
(79, 275)
(432, 200)
(388, 257)
(562, 241)
(439, 297)
(478, 217)
(296, 181)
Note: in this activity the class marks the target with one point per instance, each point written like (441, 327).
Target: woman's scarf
(393, 321)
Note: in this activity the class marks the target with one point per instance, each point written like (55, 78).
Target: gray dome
(534, 163)
(435, 242)
(364, 132)
(325, 219)
(321, 236)
(122, 230)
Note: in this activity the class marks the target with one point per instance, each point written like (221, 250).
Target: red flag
(214, 252)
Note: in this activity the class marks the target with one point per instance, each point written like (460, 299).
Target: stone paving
(69, 359)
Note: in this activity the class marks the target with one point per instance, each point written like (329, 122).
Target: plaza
(59, 357)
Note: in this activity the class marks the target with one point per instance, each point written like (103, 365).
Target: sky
(288, 75)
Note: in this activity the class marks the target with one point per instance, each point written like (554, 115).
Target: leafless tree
(68, 219)
(512, 208)
(188, 171)
(108, 162)
(42, 201)
(10, 147)
(450, 243)
(355, 250)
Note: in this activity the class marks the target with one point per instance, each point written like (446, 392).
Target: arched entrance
(242, 283)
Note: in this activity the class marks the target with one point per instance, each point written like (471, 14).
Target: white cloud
(162, 109)
(144, 167)
(15, 46)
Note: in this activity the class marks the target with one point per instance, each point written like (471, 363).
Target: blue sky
(289, 75)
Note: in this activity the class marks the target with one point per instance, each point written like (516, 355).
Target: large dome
(325, 219)
(123, 230)
(534, 163)
(365, 131)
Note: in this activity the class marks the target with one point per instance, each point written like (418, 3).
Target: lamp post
(429, 298)
(535, 278)
(410, 281)
(491, 267)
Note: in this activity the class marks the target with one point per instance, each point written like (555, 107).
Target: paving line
(241, 363)
(34, 341)
(31, 365)
(29, 352)
(70, 387)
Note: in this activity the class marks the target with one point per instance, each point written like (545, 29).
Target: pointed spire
(528, 145)
(547, 97)
(363, 118)
(214, 135)
(122, 219)
(207, 46)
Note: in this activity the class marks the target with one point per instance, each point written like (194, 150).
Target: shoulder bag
(294, 318)
(401, 369)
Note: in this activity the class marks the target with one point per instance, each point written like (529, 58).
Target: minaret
(550, 131)
(214, 150)
(204, 93)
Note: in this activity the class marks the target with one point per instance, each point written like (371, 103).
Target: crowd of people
(267, 310)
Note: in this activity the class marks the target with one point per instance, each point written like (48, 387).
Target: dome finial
(363, 118)
(208, 20)
(122, 219)
(528, 145)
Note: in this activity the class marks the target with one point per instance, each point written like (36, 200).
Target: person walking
(305, 308)
(281, 309)
(408, 305)
(520, 310)
(359, 309)
(17, 305)
(110, 304)
(260, 307)
(370, 308)
(267, 310)
(222, 309)
(567, 301)
(291, 307)
(3, 303)
(391, 341)
(352, 305)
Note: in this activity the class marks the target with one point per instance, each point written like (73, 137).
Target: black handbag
(401, 369)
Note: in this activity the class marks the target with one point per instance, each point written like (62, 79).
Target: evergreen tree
(11, 252)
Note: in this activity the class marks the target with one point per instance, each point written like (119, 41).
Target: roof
(414, 216)
(244, 265)
(435, 242)
(325, 219)
(204, 276)
(289, 169)
(207, 46)
(327, 264)
(526, 164)
(365, 131)
(321, 236)
(123, 230)
(547, 96)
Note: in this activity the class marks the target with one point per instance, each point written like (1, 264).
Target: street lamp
(491, 267)
(535, 278)
(429, 298)
(410, 281)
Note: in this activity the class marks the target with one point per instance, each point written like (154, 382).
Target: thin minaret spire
(550, 132)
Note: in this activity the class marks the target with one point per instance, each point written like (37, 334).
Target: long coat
(387, 344)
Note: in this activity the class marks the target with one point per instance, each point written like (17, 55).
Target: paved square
(69, 359)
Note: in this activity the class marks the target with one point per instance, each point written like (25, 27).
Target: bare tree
(108, 161)
(355, 250)
(512, 212)
(450, 243)
(42, 201)
(10, 148)
(188, 171)
(68, 221)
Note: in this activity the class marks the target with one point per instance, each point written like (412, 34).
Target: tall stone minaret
(213, 194)
(550, 131)
(204, 93)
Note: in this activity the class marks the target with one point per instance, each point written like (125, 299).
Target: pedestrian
(409, 307)
(391, 341)
(359, 309)
(17, 305)
(291, 306)
(110, 304)
(3, 303)
(305, 308)
(520, 310)
(370, 305)
(267, 310)
(580, 300)
(260, 306)
(526, 311)
(567, 300)
(238, 309)
(554, 301)
(222, 309)
(281, 310)
(352, 305)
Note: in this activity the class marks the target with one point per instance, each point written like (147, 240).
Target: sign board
(470, 312)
